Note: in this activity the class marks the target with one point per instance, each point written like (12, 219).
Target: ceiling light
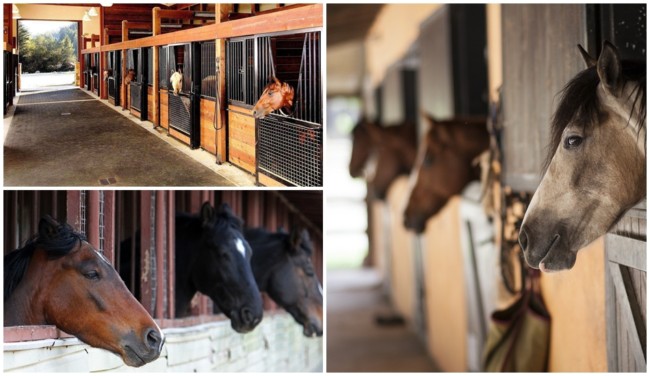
(14, 9)
(93, 12)
(105, 4)
(86, 17)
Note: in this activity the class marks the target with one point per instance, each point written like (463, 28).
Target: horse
(395, 150)
(130, 76)
(595, 169)
(276, 96)
(283, 269)
(213, 257)
(176, 81)
(362, 148)
(445, 165)
(107, 73)
(59, 279)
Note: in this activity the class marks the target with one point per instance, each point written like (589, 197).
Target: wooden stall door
(626, 293)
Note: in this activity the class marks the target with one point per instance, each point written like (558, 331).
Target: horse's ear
(48, 227)
(589, 61)
(297, 237)
(275, 79)
(207, 212)
(609, 68)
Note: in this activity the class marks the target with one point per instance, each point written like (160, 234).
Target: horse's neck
(631, 110)
(19, 309)
(266, 259)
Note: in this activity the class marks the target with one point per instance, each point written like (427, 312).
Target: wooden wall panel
(164, 109)
(207, 126)
(150, 107)
(540, 57)
(241, 139)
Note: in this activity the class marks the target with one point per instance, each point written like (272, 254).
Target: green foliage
(53, 52)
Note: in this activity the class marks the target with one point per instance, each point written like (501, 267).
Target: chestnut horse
(444, 167)
(59, 279)
(276, 96)
(596, 168)
(283, 269)
(394, 148)
(130, 75)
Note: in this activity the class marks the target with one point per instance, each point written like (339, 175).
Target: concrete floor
(69, 138)
(354, 342)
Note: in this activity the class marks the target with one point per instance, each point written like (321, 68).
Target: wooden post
(155, 22)
(221, 14)
(92, 218)
(123, 89)
(80, 46)
(103, 90)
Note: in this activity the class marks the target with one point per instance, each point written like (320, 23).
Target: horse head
(176, 80)
(444, 167)
(595, 170)
(361, 149)
(107, 73)
(130, 75)
(276, 95)
(283, 268)
(60, 279)
(222, 268)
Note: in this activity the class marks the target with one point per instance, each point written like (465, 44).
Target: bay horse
(276, 96)
(59, 279)
(394, 148)
(283, 269)
(445, 165)
(213, 257)
(595, 170)
(130, 75)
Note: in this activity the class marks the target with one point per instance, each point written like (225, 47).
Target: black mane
(579, 102)
(56, 245)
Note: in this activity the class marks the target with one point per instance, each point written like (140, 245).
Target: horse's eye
(572, 142)
(93, 275)
(428, 160)
(270, 93)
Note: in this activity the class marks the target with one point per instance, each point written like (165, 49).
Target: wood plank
(179, 136)
(134, 112)
(310, 16)
(207, 126)
(150, 106)
(626, 251)
(164, 109)
(267, 181)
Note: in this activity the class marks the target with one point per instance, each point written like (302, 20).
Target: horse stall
(10, 74)
(280, 149)
(137, 97)
(114, 63)
(141, 234)
(87, 71)
(95, 73)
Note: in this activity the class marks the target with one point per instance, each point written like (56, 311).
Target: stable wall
(276, 345)
(445, 289)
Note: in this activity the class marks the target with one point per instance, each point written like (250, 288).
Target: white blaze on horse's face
(596, 174)
(239, 244)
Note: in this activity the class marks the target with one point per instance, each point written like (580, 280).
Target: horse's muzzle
(140, 351)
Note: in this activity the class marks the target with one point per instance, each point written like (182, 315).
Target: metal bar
(160, 257)
(109, 226)
(145, 251)
(171, 253)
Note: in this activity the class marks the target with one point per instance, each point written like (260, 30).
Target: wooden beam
(156, 73)
(175, 14)
(309, 16)
(221, 15)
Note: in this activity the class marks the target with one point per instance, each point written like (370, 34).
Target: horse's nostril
(247, 316)
(153, 338)
(523, 239)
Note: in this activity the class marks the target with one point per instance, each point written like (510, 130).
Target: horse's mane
(226, 218)
(57, 245)
(579, 101)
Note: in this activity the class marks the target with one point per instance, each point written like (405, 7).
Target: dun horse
(445, 166)
(596, 167)
(276, 96)
(394, 148)
(59, 279)
(283, 269)
(213, 257)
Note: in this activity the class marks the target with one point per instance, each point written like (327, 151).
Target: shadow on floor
(354, 342)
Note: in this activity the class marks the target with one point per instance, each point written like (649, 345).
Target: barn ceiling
(348, 22)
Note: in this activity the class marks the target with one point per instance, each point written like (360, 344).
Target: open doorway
(48, 52)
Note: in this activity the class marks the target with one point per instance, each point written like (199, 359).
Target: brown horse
(596, 165)
(362, 149)
(107, 73)
(445, 166)
(276, 96)
(394, 148)
(59, 279)
(130, 75)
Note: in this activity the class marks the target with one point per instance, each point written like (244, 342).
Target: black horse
(283, 269)
(212, 257)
